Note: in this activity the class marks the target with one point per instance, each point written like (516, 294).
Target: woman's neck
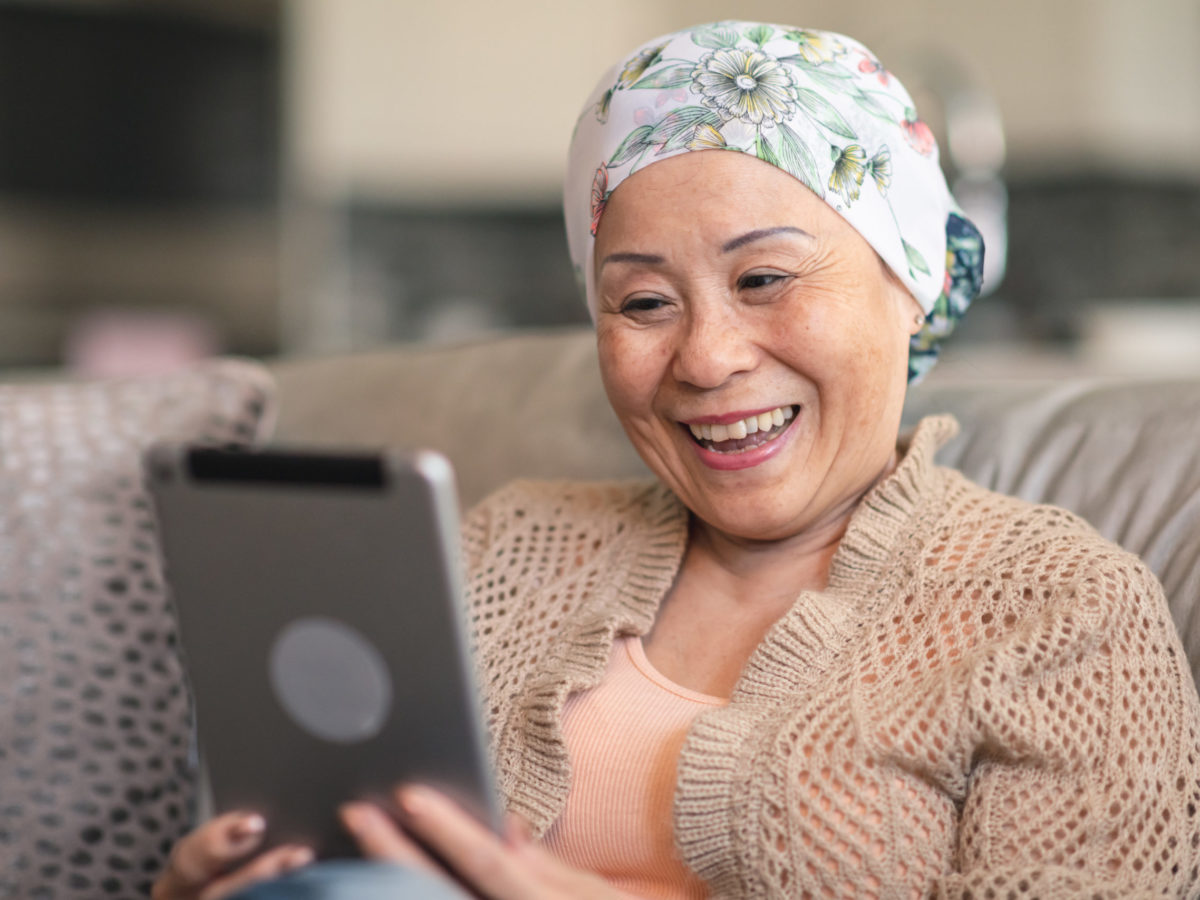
(782, 567)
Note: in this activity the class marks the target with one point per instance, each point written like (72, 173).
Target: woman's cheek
(618, 364)
(633, 363)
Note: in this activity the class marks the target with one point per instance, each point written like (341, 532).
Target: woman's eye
(760, 280)
(642, 304)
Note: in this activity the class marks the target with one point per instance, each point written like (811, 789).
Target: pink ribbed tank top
(623, 738)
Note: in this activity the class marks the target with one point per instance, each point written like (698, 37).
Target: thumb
(517, 829)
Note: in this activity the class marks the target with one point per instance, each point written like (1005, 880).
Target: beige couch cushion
(1123, 455)
(527, 405)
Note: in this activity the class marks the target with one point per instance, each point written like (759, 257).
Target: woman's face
(753, 344)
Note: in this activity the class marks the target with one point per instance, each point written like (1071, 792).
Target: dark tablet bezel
(253, 537)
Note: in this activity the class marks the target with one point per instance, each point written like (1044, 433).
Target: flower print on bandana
(705, 137)
(871, 66)
(744, 84)
(848, 171)
(636, 67)
(633, 71)
(818, 105)
(815, 47)
(880, 168)
(599, 195)
(963, 279)
(917, 133)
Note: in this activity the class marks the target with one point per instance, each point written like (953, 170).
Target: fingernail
(249, 826)
(415, 801)
(352, 817)
(517, 829)
(298, 858)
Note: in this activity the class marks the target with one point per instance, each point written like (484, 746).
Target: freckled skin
(690, 328)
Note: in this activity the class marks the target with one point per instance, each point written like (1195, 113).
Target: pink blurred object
(119, 343)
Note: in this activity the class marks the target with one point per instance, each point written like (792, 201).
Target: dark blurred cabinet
(139, 168)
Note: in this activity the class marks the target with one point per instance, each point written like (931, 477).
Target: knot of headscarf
(818, 105)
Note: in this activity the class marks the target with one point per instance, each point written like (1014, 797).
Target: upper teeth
(738, 430)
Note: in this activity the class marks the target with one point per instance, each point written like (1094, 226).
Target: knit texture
(988, 700)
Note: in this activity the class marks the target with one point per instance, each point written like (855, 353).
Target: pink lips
(746, 459)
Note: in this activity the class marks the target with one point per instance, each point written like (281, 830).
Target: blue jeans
(353, 880)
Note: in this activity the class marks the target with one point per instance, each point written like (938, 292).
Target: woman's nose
(712, 347)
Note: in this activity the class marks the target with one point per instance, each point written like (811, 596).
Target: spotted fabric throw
(96, 768)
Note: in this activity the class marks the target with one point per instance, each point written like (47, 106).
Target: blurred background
(187, 177)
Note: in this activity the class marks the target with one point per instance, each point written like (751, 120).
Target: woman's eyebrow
(645, 259)
(653, 259)
(760, 233)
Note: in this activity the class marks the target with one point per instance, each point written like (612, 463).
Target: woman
(807, 661)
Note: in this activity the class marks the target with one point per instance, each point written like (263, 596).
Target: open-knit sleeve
(1086, 776)
(476, 533)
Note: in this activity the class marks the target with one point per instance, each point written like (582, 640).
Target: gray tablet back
(320, 616)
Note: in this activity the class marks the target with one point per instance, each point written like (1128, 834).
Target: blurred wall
(422, 148)
(469, 99)
(473, 101)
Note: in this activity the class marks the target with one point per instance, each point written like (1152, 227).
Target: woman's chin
(749, 528)
(749, 508)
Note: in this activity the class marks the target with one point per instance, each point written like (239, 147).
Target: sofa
(97, 761)
(1122, 453)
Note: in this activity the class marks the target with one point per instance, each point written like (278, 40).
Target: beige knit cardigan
(988, 700)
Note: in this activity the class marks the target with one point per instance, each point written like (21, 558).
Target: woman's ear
(907, 307)
(916, 315)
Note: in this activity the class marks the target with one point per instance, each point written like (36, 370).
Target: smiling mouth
(746, 434)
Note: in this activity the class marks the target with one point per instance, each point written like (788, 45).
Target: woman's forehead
(711, 170)
(715, 193)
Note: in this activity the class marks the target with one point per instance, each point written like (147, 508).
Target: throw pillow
(96, 767)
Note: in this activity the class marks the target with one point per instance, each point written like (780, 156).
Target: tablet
(320, 616)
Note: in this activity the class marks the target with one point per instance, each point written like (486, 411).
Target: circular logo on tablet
(331, 680)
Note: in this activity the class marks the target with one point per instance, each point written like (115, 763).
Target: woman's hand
(199, 867)
(499, 868)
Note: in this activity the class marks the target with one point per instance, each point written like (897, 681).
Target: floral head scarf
(819, 106)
